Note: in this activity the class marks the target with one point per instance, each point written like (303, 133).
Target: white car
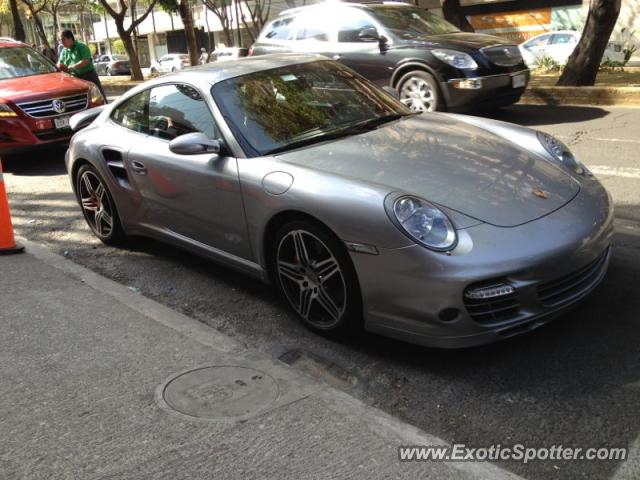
(559, 45)
(170, 62)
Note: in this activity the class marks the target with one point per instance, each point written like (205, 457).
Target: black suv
(431, 64)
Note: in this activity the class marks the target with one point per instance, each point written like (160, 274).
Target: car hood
(40, 87)
(450, 163)
(459, 39)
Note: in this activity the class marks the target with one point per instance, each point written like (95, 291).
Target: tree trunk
(56, 27)
(582, 66)
(134, 61)
(190, 33)
(18, 28)
(40, 29)
(453, 14)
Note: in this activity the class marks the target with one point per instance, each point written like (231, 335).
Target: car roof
(333, 5)
(212, 73)
(6, 42)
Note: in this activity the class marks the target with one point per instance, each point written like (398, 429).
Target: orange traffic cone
(7, 240)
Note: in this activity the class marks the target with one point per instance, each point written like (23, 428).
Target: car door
(561, 46)
(359, 48)
(194, 198)
(537, 47)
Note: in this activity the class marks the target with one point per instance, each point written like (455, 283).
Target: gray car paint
(344, 184)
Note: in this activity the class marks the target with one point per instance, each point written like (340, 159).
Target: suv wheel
(419, 91)
(315, 275)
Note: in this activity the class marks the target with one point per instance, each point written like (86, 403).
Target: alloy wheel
(96, 205)
(311, 278)
(418, 95)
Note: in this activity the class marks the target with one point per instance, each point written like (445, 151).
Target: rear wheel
(173, 69)
(419, 91)
(98, 207)
(109, 72)
(316, 277)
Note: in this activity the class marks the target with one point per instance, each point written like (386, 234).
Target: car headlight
(6, 111)
(425, 223)
(95, 94)
(455, 58)
(560, 152)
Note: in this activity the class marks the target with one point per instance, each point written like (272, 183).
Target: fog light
(448, 314)
(492, 291)
(469, 84)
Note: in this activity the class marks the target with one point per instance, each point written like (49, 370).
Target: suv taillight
(250, 52)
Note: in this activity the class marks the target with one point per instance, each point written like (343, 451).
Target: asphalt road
(575, 382)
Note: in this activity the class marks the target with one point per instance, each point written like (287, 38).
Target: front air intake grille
(565, 289)
(493, 310)
(45, 108)
(503, 55)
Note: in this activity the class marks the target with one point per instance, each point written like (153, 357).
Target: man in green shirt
(75, 58)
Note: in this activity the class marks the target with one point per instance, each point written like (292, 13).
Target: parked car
(439, 229)
(113, 65)
(430, 62)
(36, 100)
(228, 53)
(170, 62)
(559, 45)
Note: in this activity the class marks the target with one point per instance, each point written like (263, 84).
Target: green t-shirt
(75, 54)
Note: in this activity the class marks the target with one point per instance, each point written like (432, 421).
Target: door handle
(337, 57)
(139, 167)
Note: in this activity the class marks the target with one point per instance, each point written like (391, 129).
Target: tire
(97, 205)
(154, 71)
(173, 70)
(321, 285)
(109, 72)
(420, 92)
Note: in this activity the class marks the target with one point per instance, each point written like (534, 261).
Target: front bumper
(405, 290)
(19, 135)
(481, 91)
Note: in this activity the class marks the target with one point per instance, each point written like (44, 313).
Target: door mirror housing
(369, 34)
(194, 144)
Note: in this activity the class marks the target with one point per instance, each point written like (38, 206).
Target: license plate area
(519, 80)
(61, 123)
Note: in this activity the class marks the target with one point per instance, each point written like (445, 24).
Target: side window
(134, 113)
(562, 38)
(538, 42)
(104, 58)
(178, 109)
(351, 24)
(279, 29)
(311, 29)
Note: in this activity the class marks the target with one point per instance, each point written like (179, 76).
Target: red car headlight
(6, 111)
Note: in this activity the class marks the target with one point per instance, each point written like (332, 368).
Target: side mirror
(382, 43)
(84, 118)
(392, 91)
(368, 34)
(193, 144)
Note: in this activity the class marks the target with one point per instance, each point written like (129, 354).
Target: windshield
(410, 22)
(22, 62)
(120, 57)
(283, 108)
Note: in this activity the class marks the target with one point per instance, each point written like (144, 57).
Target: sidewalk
(85, 363)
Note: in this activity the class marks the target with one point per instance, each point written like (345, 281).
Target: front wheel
(174, 69)
(419, 91)
(98, 207)
(109, 72)
(315, 275)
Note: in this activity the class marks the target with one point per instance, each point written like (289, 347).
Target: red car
(36, 100)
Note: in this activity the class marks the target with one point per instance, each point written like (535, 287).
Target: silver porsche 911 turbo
(438, 229)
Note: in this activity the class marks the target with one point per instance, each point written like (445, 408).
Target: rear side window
(279, 29)
(175, 110)
(134, 113)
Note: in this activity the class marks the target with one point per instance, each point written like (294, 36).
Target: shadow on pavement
(46, 162)
(531, 115)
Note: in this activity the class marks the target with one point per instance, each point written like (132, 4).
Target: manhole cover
(220, 392)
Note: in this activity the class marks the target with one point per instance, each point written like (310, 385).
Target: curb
(556, 96)
(340, 402)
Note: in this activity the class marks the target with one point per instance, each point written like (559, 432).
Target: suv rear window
(23, 62)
